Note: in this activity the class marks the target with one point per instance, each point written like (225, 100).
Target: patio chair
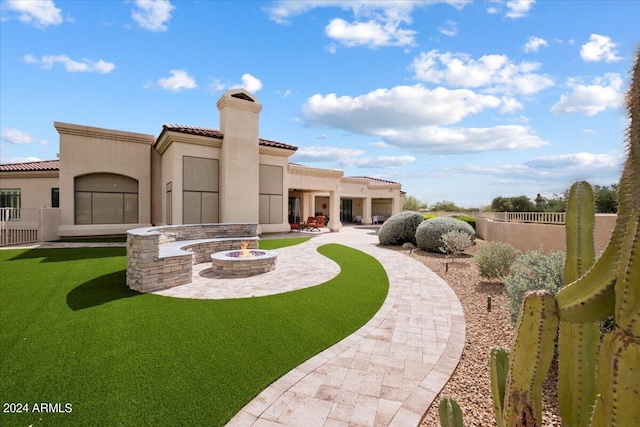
(315, 223)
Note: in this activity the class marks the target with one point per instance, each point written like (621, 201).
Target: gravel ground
(470, 384)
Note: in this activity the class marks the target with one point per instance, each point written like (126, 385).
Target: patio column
(312, 206)
(334, 210)
(366, 211)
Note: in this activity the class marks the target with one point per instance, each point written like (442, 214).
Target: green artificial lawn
(73, 333)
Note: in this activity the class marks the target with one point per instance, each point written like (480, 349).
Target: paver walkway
(385, 374)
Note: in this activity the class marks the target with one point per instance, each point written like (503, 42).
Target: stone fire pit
(243, 263)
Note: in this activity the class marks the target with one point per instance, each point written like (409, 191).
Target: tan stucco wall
(528, 237)
(85, 150)
(173, 148)
(239, 158)
(278, 157)
(35, 187)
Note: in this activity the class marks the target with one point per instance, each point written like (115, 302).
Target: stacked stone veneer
(162, 257)
(224, 266)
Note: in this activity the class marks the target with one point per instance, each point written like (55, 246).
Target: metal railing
(20, 225)
(557, 218)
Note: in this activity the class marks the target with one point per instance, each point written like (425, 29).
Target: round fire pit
(245, 263)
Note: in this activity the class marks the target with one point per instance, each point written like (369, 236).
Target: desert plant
(400, 228)
(429, 216)
(610, 286)
(533, 270)
(455, 242)
(469, 220)
(494, 259)
(429, 233)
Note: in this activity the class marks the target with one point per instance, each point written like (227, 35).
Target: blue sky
(457, 100)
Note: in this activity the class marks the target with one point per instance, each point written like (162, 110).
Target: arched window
(106, 198)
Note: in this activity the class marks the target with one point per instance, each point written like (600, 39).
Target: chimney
(240, 157)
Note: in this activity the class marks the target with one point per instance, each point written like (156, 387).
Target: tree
(541, 203)
(411, 203)
(606, 198)
(501, 204)
(522, 204)
(445, 206)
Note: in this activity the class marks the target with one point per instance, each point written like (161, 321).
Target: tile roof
(376, 180)
(215, 133)
(44, 165)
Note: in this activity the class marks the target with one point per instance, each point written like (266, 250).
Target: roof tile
(215, 133)
(44, 165)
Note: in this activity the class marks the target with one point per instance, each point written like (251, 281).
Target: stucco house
(108, 181)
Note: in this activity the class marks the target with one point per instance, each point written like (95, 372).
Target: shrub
(429, 233)
(533, 270)
(429, 216)
(455, 242)
(494, 259)
(400, 228)
(469, 220)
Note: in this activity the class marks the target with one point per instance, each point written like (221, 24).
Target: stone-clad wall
(147, 271)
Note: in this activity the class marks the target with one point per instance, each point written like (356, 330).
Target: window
(55, 197)
(105, 198)
(199, 190)
(270, 202)
(10, 198)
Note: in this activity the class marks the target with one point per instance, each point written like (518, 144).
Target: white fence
(528, 217)
(20, 225)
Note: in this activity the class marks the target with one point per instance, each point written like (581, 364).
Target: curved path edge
(389, 371)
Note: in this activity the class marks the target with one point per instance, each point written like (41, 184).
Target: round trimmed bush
(494, 259)
(400, 228)
(429, 233)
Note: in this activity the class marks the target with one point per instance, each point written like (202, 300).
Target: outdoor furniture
(294, 227)
(315, 223)
(358, 219)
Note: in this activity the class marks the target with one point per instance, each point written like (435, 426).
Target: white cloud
(493, 10)
(450, 28)
(586, 161)
(534, 44)
(349, 158)
(376, 23)
(398, 107)
(604, 92)
(40, 13)
(179, 80)
(599, 48)
(510, 105)
(379, 144)
(13, 160)
(325, 154)
(435, 139)
(72, 66)
(495, 73)
(251, 83)
(17, 136)
(152, 15)
(588, 131)
(413, 117)
(371, 33)
(519, 8)
(562, 168)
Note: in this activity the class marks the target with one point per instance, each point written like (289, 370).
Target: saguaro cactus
(610, 286)
(578, 342)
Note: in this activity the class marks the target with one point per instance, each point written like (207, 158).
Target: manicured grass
(112, 239)
(72, 332)
(281, 243)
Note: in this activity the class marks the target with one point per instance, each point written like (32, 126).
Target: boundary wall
(531, 236)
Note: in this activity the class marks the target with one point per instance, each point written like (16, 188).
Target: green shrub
(429, 233)
(400, 228)
(533, 270)
(469, 220)
(494, 259)
(429, 216)
(455, 242)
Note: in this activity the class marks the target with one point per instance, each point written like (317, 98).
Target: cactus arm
(499, 371)
(531, 355)
(592, 297)
(578, 342)
(450, 413)
(618, 381)
(628, 281)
